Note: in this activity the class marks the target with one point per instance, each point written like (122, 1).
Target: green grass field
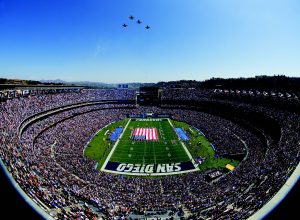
(100, 145)
(200, 146)
(168, 149)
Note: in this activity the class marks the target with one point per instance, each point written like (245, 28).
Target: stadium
(150, 153)
(149, 110)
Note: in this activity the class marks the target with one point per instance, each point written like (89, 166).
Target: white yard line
(154, 153)
(149, 174)
(144, 153)
(186, 150)
(189, 155)
(114, 147)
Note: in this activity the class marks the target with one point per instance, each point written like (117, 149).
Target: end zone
(150, 169)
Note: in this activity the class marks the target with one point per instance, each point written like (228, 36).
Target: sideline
(114, 147)
(96, 134)
(186, 150)
(148, 174)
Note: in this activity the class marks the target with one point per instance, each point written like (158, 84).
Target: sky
(84, 40)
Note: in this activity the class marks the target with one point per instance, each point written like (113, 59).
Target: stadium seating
(47, 162)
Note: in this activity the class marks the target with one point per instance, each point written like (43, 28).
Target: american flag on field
(148, 134)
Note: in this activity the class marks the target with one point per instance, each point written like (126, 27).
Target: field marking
(96, 135)
(114, 147)
(144, 153)
(154, 153)
(186, 150)
(152, 174)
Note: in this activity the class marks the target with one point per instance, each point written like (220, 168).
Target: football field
(167, 149)
(156, 146)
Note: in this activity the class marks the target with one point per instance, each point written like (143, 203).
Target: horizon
(167, 81)
(192, 40)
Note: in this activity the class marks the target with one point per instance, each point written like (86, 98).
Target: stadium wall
(42, 212)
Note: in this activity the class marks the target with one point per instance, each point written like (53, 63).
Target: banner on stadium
(25, 92)
(214, 175)
(161, 116)
(123, 86)
(151, 115)
(2, 96)
(149, 119)
(18, 93)
(133, 116)
(10, 94)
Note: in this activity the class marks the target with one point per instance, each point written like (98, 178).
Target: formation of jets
(138, 21)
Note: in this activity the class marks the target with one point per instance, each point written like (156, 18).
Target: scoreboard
(148, 96)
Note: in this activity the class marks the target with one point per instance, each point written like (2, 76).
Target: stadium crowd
(47, 160)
